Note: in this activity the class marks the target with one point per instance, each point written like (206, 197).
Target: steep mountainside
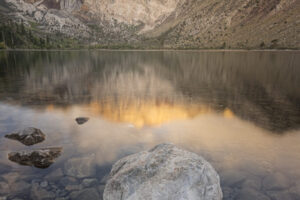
(162, 23)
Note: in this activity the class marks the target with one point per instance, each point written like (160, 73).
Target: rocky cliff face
(168, 23)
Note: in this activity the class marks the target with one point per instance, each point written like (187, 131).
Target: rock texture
(28, 136)
(166, 23)
(164, 172)
(41, 158)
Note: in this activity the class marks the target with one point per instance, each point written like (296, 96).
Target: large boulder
(28, 136)
(40, 158)
(162, 173)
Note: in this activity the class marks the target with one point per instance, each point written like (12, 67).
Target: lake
(240, 110)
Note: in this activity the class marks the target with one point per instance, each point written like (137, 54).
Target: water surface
(239, 110)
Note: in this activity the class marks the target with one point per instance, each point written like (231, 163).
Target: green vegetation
(17, 35)
(2, 45)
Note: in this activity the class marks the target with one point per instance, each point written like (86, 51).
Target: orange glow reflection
(149, 113)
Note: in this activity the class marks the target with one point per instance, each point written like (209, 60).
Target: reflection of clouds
(230, 144)
(148, 113)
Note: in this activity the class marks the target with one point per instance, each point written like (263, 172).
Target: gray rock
(39, 193)
(89, 182)
(162, 173)
(28, 136)
(295, 191)
(68, 181)
(61, 193)
(20, 187)
(233, 178)
(61, 198)
(41, 158)
(82, 120)
(73, 187)
(228, 193)
(44, 184)
(253, 183)
(101, 189)
(251, 194)
(104, 179)
(4, 188)
(54, 175)
(4, 168)
(86, 194)
(280, 195)
(276, 181)
(80, 167)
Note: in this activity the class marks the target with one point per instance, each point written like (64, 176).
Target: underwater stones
(40, 158)
(85, 194)
(38, 193)
(19, 187)
(54, 175)
(28, 136)
(89, 182)
(253, 183)
(44, 184)
(67, 180)
(233, 178)
(81, 120)
(4, 187)
(164, 172)
(80, 167)
(73, 187)
(251, 194)
(276, 181)
(4, 168)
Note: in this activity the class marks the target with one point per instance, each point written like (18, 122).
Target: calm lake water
(239, 110)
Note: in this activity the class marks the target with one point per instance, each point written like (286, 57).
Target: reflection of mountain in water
(128, 86)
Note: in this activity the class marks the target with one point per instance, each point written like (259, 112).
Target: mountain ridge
(206, 24)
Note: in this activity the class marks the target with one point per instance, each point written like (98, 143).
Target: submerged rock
(41, 158)
(86, 194)
(80, 167)
(162, 173)
(37, 193)
(28, 136)
(82, 120)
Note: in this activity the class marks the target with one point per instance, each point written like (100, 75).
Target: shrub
(2, 45)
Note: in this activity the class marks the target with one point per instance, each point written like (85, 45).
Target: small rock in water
(44, 184)
(162, 173)
(82, 120)
(40, 158)
(28, 136)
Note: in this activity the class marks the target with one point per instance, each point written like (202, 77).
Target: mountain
(156, 23)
